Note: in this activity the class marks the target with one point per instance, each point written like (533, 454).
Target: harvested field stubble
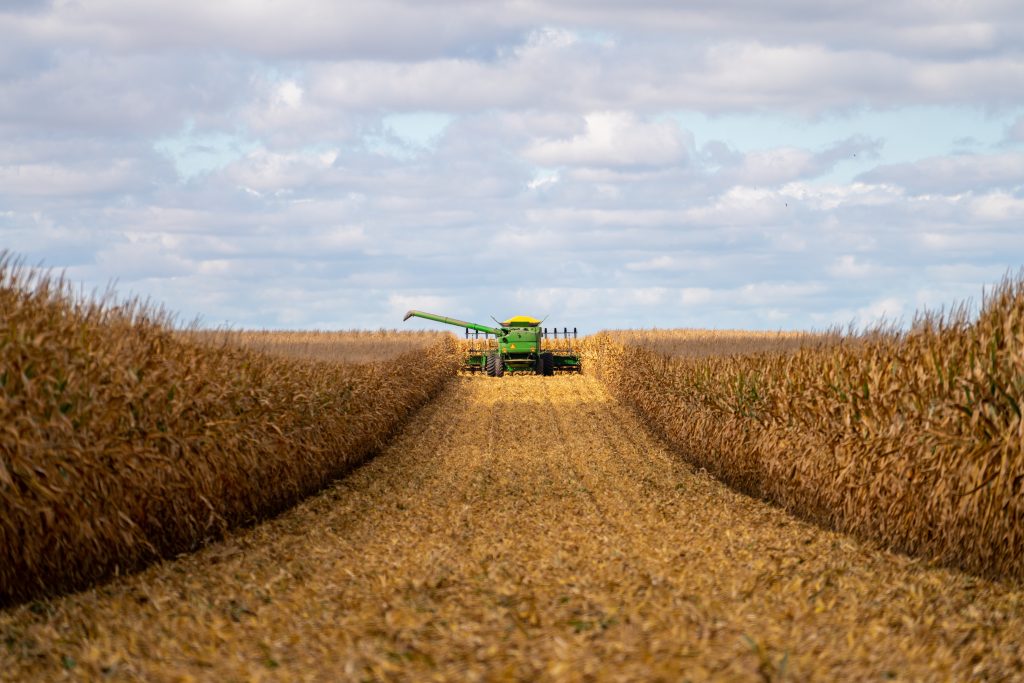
(913, 439)
(123, 440)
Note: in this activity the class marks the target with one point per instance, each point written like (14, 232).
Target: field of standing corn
(914, 438)
(356, 346)
(124, 440)
(521, 528)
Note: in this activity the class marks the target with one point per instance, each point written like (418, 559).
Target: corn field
(913, 439)
(527, 528)
(684, 343)
(574, 527)
(357, 346)
(125, 440)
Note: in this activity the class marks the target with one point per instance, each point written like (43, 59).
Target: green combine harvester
(519, 344)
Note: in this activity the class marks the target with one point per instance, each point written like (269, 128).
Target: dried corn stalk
(911, 438)
(123, 440)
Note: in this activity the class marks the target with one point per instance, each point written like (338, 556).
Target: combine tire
(547, 362)
(495, 366)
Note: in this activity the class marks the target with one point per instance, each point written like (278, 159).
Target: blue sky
(311, 164)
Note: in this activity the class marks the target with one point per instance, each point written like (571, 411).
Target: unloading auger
(519, 344)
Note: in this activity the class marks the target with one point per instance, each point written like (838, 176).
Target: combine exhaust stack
(518, 344)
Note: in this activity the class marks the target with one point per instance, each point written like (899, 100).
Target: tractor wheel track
(526, 528)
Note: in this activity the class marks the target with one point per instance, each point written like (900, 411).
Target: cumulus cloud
(952, 174)
(999, 207)
(253, 162)
(314, 29)
(52, 179)
(849, 266)
(733, 76)
(781, 165)
(615, 139)
(1015, 132)
(662, 262)
(886, 310)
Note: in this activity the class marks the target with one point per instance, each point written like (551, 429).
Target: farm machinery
(518, 344)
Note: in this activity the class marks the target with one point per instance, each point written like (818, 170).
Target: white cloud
(849, 266)
(693, 296)
(289, 95)
(1015, 132)
(340, 238)
(316, 162)
(774, 166)
(662, 262)
(953, 174)
(273, 172)
(776, 293)
(741, 206)
(888, 309)
(282, 115)
(614, 139)
(546, 39)
(543, 179)
(998, 206)
(399, 304)
(52, 179)
(272, 29)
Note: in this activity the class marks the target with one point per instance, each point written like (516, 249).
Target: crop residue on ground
(527, 528)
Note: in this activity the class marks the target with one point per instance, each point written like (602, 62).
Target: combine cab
(519, 344)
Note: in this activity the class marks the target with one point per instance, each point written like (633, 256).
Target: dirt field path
(527, 528)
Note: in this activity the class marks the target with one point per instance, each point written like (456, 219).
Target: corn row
(351, 346)
(123, 440)
(913, 439)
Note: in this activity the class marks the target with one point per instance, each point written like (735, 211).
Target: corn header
(519, 344)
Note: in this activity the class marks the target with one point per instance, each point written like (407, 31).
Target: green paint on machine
(518, 344)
